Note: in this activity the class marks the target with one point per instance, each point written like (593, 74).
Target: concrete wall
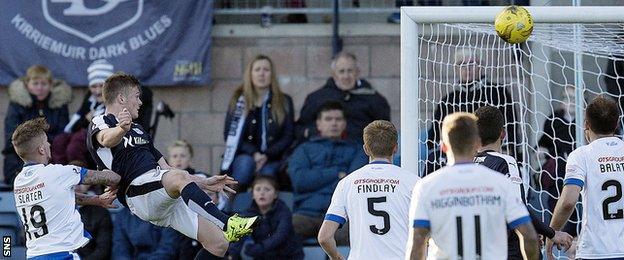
(302, 64)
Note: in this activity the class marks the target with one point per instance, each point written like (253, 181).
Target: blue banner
(160, 42)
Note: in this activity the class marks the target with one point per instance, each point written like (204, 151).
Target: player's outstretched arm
(327, 241)
(104, 177)
(529, 243)
(563, 210)
(417, 244)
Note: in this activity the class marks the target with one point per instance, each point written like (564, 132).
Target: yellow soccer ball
(514, 24)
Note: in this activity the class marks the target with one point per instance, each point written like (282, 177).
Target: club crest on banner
(107, 16)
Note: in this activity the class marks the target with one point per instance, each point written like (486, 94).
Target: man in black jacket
(472, 92)
(362, 103)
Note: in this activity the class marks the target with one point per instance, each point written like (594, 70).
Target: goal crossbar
(540, 14)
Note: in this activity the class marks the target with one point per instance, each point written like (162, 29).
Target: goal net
(542, 88)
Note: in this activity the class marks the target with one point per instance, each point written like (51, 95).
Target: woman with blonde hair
(259, 125)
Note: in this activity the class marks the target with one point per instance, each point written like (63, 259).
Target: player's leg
(216, 245)
(191, 224)
(179, 183)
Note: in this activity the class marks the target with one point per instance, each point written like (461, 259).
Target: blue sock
(197, 200)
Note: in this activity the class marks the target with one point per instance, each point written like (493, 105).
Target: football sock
(198, 201)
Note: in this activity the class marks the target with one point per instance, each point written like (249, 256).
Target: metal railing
(237, 7)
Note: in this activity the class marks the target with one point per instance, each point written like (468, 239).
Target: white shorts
(160, 209)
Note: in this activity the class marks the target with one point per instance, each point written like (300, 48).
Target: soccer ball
(514, 24)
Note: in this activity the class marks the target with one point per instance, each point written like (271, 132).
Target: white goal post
(449, 54)
(413, 17)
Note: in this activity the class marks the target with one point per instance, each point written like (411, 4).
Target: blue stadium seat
(18, 253)
(7, 202)
(314, 253)
(10, 225)
(287, 198)
(344, 251)
(241, 202)
(113, 212)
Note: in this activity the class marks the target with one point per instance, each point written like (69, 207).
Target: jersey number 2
(379, 213)
(619, 213)
(34, 210)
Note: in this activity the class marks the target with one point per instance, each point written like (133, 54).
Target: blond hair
(380, 138)
(38, 72)
(28, 136)
(461, 133)
(278, 101)
(181, 144)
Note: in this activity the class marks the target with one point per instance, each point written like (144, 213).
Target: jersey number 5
(619, 213)
(379, 213)
(35, 210)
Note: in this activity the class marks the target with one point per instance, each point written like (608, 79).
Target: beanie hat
(98, 71)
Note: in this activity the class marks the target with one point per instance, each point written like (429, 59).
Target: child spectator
(70, 147)
(274, 237)
(35, 95)
(259, 125)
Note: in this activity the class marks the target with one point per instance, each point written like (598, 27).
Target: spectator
(179, 156)
(70, 147)
(315, 168)
(97, 221)
(145, 111)
(472, 92)
(614, 79)
(259, 124)
(134, 238)
(556, 142)
(273, 238)
(35, 95)
(362, 103)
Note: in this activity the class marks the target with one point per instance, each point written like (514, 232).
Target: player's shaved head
(461, 133)
(380, 139)
(28, 136)
(490, 121)
(602, 115)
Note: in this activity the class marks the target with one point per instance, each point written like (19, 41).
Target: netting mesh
(465, 66)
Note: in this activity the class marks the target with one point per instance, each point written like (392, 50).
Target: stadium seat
(241, 202)
(7, 202)
(314, 253)
(287, 198)
(113, 212)
(10, 226)
(18, 253)
(344, 251)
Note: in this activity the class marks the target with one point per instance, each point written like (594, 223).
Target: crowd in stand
(265, 149)
(264, 146)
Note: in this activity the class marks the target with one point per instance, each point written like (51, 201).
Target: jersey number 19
(41, 223)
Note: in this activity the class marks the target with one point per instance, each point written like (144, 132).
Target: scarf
(235, 130)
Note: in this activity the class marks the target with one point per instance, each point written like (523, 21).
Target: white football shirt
(468, 209)
(599, 169)
(46, 203)
(375, 199)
